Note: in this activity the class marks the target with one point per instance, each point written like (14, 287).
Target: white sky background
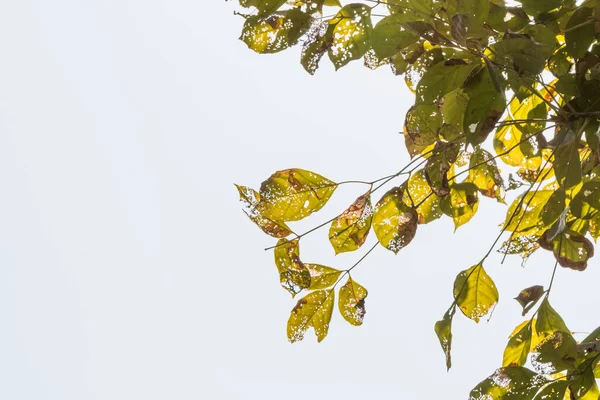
(128, 271)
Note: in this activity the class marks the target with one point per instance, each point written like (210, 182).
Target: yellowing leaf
(275, 32)
(322, 277)
(293, 274)
(349, 32)
(394, 223)
(475, 292)
(352, 302)
(484, 173)
(349, 231)
(518, 346)
(461, 204)
(553, 391)
(313, 310)
(556, 352)
(263, 6)
(527, 210)
(250, 198)
(509, 383)
(421, 127)
(571, 249)
(443, 330)
(417, 191)
(293, 194)
(548, 321)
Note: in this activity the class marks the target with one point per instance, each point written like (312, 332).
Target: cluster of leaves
(521, 79)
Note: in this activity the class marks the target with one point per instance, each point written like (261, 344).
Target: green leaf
(313, 310)
(556, 352)
(509, 383)
(484, 173)
(349, 231)
(535, 7)
(518, 347)
(524, 216)
(352, 302)
(314, 48)
(293, 194)
(579, 34)
(553, 391)
(293, 274)
(275, 32)
(250, 198)
(528, 55)
(475, 12)
(264, 7)
(394, 223)
(475, 292)
(322, 277)
(548, 321)
(559, 63)
(443, 78)
(461, 204)
(443, 330)
(586, 204)
(349, 33)
(554, 207)
(572, 250)
(528, 297)
(415, 9)
(417, 192)
(389, 36)
(454, 106)
(584, 385)
(567, 165)
(421, 128)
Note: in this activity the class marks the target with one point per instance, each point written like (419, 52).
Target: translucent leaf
(578, 35)
(586, 204)
(527, 210)
(275, 32)
(518, 347)
(556, 352)
(529, 296)
(389, 36)
(475, 292)
(509, 383)
(352, 302)
(524, 51)
(567, 165)
(524, 246)
(443, 330)
(572, 250)
(421, 128)
(250, 198)
(349, 231)
(293, 274)
(315, 46)
(548, 321)
(443, 78)
(293, 194)
(313, 310)
(349, 33)
(417, 192)
(322, 277)
(484, 173)
(553, 391)
(394, 223)
(264, 7)
(461, 204)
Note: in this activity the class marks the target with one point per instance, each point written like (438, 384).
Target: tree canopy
(515, 85)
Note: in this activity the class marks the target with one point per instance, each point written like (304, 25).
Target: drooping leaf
(264, 7)
(313, 310)
(349, 33)
(518, 347)
(418, 192)
(349, 231)
(322, 277)
(586, 204)
(579, 32)
(548, 321)
(556, 352)
(394, 223)
(475, 292)
(524, 216)
(352, 302)
(293, 194)
(528, 297)
(509, 383)
(571, 249)
(250, 198)
(484, 173)
(293, 274)
(461, 204)
(314, 47)
(443, 330)
(275, 32)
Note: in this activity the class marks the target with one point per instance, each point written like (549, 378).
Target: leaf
(417, 191)
(454, 106)
(293, 274)
(508, 383)
(572, 250)
(586, 204)
(349, 33)
(352, 302)
(484, 173)
(518, 347)
(524, 216)
(584, 385)
(579, 35)
(394, 223)
(421, 128)
(443, 330)
(416, 9)
(250, 198)
(528, 297)
(313, 310)
(264, 7)
(443, 78)
(556, 352)
(554, 207)
(523, 51)
(553, 391)
(293, 194)
(349, 231)
(315, 46)
(389, 36)
(461, 204)
(276, 32)
(322, 277)
(548, 321)
(567, 165)
(535, 7)
(475, 292)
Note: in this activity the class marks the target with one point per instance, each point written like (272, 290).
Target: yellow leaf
(349, 231)
(461, 204)
(313, 310)
(519, 346)
(352, 302)
(443, 330)
(528, 211)
(250, 198)
(293, 274)
(418, 192)
(322, 277)
(394, 223)
(485, 175)
(475, 292)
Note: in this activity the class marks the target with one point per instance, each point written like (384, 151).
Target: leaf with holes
(350, 230)
(394, 223)
(313, 310)
(352, 302)
(475, 292)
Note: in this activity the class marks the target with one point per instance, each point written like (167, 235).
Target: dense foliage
(524, 76)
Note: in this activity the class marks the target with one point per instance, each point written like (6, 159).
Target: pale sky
(127, 269)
